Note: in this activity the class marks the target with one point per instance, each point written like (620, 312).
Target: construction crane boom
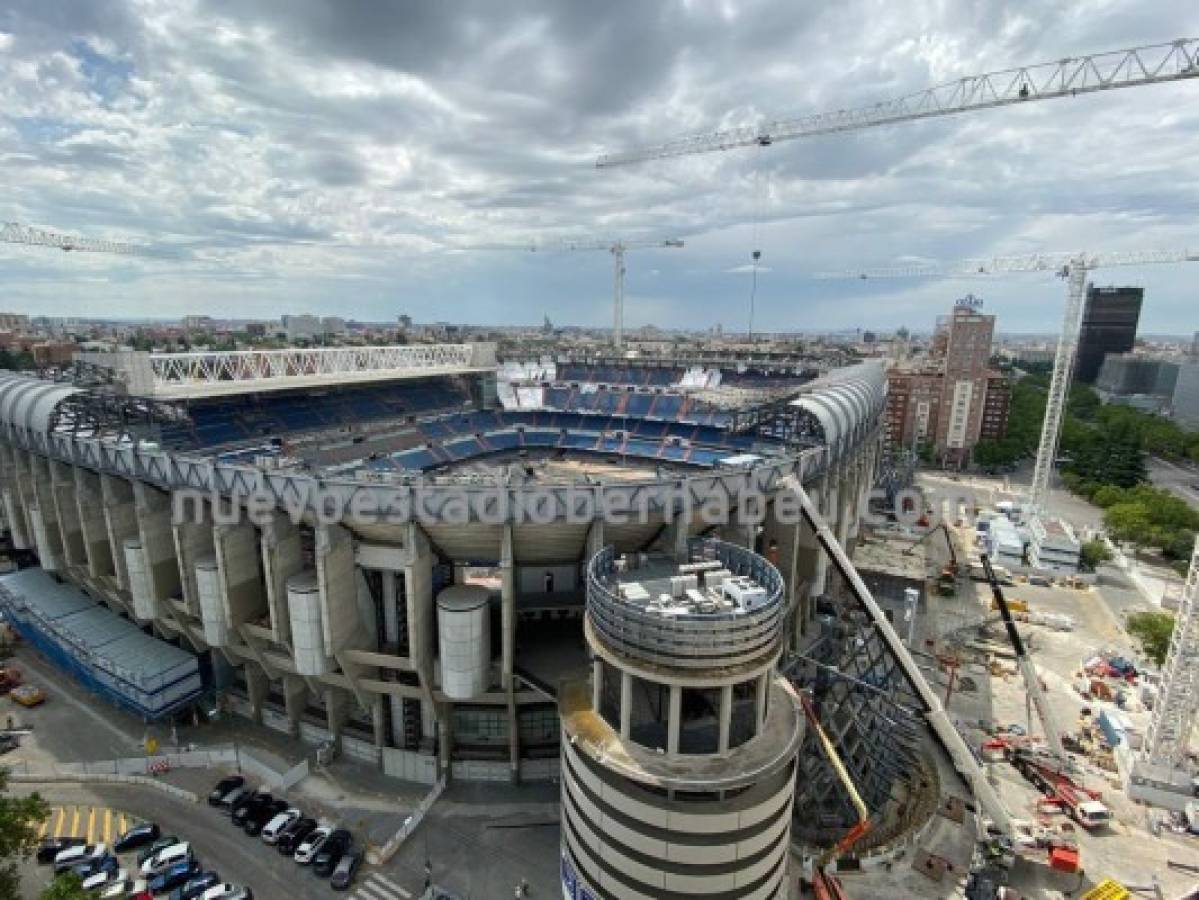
(616, 248)
(1073, 267)
(15, 233)
(1067, 77)
(1032, 682)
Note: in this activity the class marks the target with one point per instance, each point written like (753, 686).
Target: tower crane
(1073, 267)
(1069, 77)
(616, 248)
(15, 233)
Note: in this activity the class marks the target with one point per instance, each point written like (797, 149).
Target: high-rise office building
(1109, 325)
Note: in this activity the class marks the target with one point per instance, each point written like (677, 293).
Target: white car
(124, 888)
(312, 844)
(72, 856)
(165, 858)
(225, 891)
(273, 828)
(104, 879)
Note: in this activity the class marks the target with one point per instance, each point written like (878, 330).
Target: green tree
(66, 886)
(1129, 521)
(1153, 631)
(19, 819)
(1093, 553)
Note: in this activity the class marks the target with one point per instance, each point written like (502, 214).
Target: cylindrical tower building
(678, 758)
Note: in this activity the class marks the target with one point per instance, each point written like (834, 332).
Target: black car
(331, 852)
(137, 836)
(223, 787)
(51, 847)
(343, 875)
(88, 868)
(194, 887)
(251, 804)
(291, 838)
(257, 818)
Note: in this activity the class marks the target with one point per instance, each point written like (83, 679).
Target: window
(699, 726)
(649, 715)
(743, 723)
(609, 694)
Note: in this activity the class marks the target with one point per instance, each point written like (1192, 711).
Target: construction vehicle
(1019, 606)
(825, 886)
(1046, 772)
(947, 579)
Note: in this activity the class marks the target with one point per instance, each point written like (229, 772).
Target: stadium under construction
(456, 567)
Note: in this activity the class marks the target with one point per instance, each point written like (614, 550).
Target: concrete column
(595, 540)
(43, 514)
(281, 558)
(295, 697)
(760, 697)
(238, 559)
(508, 647)
(391, 615)
(337, 575)
(120, 520)
(378, 721)
(193, 540)
(337, 710)
(16, 501)
(597, 680)
(674, 720)
(257, 687)
(89, 502)
(726, 715)
(418, 595)
(63, 492)
(626, 704)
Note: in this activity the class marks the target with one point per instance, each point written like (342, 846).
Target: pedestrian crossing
(379, 887)
(94, 823)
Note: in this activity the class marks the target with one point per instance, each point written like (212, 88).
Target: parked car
(137, 836)
(89, 867)
(347, 869)
(223, 787)
(275, 828)
(331, 851)
(104, 878)
(51, 847)
(257, 818)
(165, 858)
(173, 876)
(167, 840)
(228, 891)
(121, 890)
(235, 796)
(8, 743)
(294, 835)
(195, 886)
(311, 845)
(67, 859)
(249, 805)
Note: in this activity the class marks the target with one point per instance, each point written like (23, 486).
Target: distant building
(13, 322)
(405, 323)
(1109, 325)
(333, 325)
(1124, 374)
(256, 329)
(1195, 345)
(53, 353)
(197, 323)
(954, 399)
(1053, 546)
(302, 328)
(1186, 396)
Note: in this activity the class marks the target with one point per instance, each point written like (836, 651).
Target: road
(1179, 479)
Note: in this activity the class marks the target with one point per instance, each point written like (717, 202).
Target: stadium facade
(414, 553)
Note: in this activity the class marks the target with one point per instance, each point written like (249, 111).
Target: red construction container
(1064, 859)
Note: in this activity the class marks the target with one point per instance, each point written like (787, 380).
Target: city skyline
(318, 163)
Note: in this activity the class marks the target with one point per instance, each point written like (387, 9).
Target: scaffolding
(1174, 713)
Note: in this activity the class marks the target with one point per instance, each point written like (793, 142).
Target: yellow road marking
(91, 824)
(44, 827)
(75, 822)
(108, 826)
(58, 823)
(124, 823)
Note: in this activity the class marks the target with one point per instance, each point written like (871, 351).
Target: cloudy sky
(329, 156)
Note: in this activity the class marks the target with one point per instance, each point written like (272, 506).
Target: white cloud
(292, 146)
(747, 269)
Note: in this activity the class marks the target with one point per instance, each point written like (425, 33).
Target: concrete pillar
(193, 540)
(62, 479)
(89, 502)
(337, 710)
(418, 595)
(726, 716)
(674, 720)
(281, 559)
(597, 680)
(120, 521)
(337, 575)
(295, 697)
(595, 540)
(153, 510)
(626, 704)
(378, 720)
(238, 559)
(257, 687)
(508, 647)
(43, 515)
(760, 697)
(391, 615)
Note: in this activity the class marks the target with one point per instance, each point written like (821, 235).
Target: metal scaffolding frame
(1177, 706)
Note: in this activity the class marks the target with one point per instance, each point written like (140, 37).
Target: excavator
(947, 580)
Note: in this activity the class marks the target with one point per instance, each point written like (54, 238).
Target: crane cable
(756, 253)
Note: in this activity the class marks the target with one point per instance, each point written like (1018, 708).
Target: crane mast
(1069, 77)
(15, 233)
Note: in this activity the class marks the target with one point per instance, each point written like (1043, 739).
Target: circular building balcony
(720, 609)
